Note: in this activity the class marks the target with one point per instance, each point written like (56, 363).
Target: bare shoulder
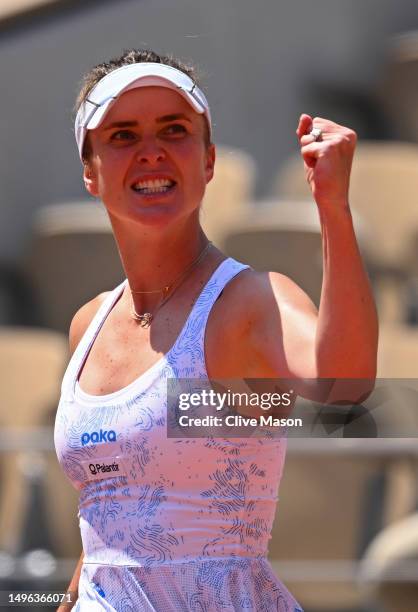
(83, 318)
(289, 294)
(265, 325)
(252, 294)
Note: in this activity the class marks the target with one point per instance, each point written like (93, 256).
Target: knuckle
(351, 135)
(342, 140)
(334, 143)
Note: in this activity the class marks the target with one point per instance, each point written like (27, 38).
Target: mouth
(153, 186)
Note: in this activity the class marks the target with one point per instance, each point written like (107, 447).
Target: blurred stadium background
(346, 534)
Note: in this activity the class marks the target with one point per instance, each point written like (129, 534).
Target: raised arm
(280, 331)
(346, 330)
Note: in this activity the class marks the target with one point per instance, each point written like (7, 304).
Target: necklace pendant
(145, 319)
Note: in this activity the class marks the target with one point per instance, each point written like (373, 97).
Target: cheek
(197, 176)
(110, 174)
(195, 162)
(199, 180)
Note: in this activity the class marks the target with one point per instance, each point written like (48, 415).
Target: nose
(150, 152)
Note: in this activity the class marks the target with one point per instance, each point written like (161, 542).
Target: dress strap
(187, 357)
(87, 340)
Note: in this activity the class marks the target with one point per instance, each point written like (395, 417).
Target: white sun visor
(93, 110)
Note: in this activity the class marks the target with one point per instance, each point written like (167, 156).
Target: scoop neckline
(83, 396)
(80, 394)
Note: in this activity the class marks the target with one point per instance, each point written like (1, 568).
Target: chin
(158, 216)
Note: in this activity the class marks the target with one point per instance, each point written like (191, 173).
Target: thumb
(304, 125)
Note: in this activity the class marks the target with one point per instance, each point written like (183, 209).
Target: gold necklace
(145, 319)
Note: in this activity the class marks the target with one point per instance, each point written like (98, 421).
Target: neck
(154, 260)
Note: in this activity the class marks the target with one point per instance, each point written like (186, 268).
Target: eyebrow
(175, 117)
(121, 124)
(164, 119)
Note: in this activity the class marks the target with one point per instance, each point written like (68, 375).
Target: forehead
(149, 102)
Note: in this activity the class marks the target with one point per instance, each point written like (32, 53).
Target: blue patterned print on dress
(186, 526)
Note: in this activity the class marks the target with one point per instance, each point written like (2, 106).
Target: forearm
(73, 587)
(347, 329)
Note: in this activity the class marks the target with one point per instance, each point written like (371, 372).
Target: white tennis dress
(168, 524)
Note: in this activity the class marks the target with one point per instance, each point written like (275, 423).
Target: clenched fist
(328, 160)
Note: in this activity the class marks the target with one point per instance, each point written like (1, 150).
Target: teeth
(153, 189)
(153, 186)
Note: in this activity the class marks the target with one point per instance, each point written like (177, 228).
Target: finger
(311, 153)
(313, 149)
(308, 138)
(304, 126)
(326, 125)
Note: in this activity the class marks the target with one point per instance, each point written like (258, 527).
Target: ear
(90, 179)
(210, 162)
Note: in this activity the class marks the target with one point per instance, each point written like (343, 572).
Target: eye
(122, 135)
(175, 129)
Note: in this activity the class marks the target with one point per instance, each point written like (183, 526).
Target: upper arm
(82, 320)
(284, 333)
(284, 328)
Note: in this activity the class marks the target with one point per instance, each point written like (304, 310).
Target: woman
(183, 524)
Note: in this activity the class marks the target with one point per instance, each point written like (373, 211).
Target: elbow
(347, 361)
(353, 389)
(350, 382)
